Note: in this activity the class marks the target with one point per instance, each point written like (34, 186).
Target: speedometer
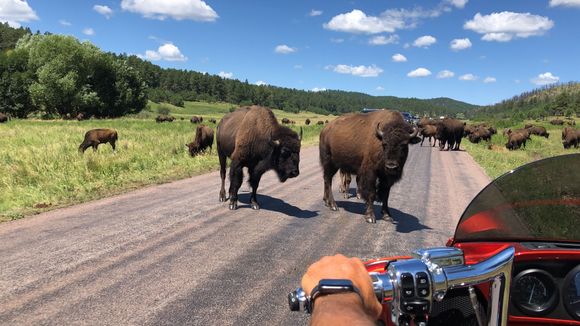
(571, 294)
(534, 292)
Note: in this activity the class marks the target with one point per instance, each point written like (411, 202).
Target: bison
(3, 117)
(516, 140)
(203, 140)
(251, 137)
(344, 187)
(164, 118)
(570, 137)
(377, 157)
(285, 121)
(429, 131)
(426, 121)
(320, 123)
(571, 122)
(528, 126)
(307, 122)
(212, 120)
(481, 133)
(196, 119)
(95, 137)
(539, 131)
(450, 131)
(557, 122)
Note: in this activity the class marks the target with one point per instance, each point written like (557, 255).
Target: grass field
(42, 169)
(499, 160)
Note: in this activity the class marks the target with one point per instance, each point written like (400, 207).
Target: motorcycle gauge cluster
(534, 292)
(571, 294)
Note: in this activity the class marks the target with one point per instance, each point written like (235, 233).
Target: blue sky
(478, 51)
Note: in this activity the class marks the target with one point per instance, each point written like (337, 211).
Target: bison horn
(301, 132)
(414, 133)
(380, 133)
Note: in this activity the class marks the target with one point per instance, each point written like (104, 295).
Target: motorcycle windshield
(539, 201)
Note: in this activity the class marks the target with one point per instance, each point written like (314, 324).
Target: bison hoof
(370, 219)
(233, 206)
(346, 195)
(358, 196)
(255, 206)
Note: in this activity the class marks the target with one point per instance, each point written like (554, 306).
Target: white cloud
(196, 10)
(399, 58)
(505, 26)
(89, 31)
(314, 13)
(361, 71)
(468, 77)
(419, 72)
(460, 44)
(443, 74)
(318, 89)
(565, 3)
(458, 3)
(64, 22)
(488, 80)
(15, 12)
(380, 88)
(284, 49)
(261, 83)
(545, 79)
(228, 75)
(103, 10)
(383, 40)
(425, 41)
(167, 52)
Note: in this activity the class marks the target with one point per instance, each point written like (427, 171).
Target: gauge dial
(571, 295)
(534, 292)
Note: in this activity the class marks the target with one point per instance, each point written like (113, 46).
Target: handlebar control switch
(423, 287)
(407, 285)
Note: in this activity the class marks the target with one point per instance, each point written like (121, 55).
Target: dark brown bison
(528, 126)
(429, 131)
(571, 122)
(251, 137)
(570, 137)
(285, 121)
(557, 122)
(196, 119)
(325, 121)
(377, 157)
(95, 137)
(212, 120)
(320, 123)
(203, 140)
(450, 131)
(468, 130)
(539, 131)
(426, 121)
(307, 122)
(516, 139)
(164, 118)
(480, 133)
(3, 118)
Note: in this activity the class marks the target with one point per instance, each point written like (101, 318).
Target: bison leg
(383, 192)
(422, 140)
(83, 147)
(236, 178)
(358, 195)
(329, 172)
(113, 145)
(223, 163)
(255, 176)
(368, 193)
(345, 180)
(95, 146)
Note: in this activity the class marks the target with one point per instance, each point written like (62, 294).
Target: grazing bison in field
(203, 140)
(557, 122)
(377, 157)
(212, 120)
(571, 122)
(538, 131)
(320, 123)
(251, 137)
(196, 119)
(528, 126)
(307, 122)
(481, 133)
(95, 137)
(3, 118)
(570, 137)
(429, 131)
(326, 121)
(164, 118)
(450, 131)
(468, 130)
(285, 121)
(516, 139)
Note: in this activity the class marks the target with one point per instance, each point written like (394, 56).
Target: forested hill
(168, 85)
(559, 99)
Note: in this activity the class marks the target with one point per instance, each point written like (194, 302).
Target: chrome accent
(395, 270)
(383, 286)
(441, 256)
(476, 305)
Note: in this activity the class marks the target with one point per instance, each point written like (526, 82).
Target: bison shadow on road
(276, 205)
(404, 223)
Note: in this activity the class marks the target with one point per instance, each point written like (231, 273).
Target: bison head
(193, 149)
(286, 155)
(395, 140)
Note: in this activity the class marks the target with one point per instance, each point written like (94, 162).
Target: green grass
(499, 160)
(42, 169)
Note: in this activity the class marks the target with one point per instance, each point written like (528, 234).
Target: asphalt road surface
(173, 255)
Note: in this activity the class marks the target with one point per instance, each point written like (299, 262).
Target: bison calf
(95, 137)
(203, 140)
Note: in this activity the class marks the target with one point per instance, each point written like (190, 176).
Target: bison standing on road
(3, 118)
(429, 131)
(450, 131)
(251, 137)
(203, 140)
(377, 158)
(95, 137)
(570, 137)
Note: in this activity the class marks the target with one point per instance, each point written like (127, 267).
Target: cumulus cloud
(488, 80)
(505, 26)
(384, 40)
(64, 22)
(103, 10)
(458, 3)
(167, 52)
(399, 58)
(419, 72)
(314, 13)
(380, 88)
(89, 31)
(15, 12)
(361, 71)
(318, 89)
(425, 41)
(459, 44)
(545, 79)
(228, 75)
(284, 49)
(261, 83)
(196, 10)
(468, 77)
(443, 74)
(565, 3)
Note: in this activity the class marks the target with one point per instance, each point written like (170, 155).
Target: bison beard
(251, 137)
(378, 163)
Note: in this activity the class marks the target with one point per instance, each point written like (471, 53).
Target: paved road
(172, 254)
